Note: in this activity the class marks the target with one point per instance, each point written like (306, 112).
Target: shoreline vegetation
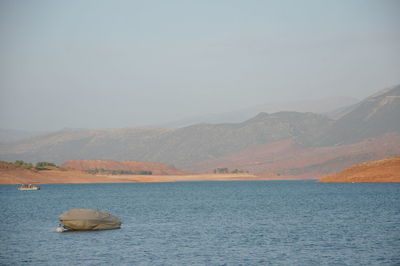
(117, 172)
(20, 172)
(17, 173)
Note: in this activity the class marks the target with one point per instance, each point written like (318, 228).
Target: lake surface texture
(206, 223)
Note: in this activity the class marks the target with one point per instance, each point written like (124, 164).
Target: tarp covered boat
(86, 219)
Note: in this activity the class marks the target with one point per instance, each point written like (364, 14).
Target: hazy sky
(106, 64)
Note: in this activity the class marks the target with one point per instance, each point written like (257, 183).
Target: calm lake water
(206, 223)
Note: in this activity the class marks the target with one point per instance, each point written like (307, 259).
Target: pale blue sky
(107, 64)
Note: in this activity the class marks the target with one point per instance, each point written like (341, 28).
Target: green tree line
(117, 172)
(38, 166)
(226, 171)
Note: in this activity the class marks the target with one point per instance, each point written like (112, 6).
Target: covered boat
(86, 219)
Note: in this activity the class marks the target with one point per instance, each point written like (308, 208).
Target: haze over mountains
(11, 135)
(280, 141)
(374, 116)
(329, 106)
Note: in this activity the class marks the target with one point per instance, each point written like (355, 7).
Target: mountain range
(288, 143)
(329, 106)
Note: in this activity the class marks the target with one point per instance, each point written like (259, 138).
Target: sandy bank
(56, 176)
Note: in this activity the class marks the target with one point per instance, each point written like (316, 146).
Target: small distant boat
(29, 187)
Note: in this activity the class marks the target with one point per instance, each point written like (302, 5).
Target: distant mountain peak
(321, 106)
(390, 91)
(259, 117)
(381, 103)
(375, 116)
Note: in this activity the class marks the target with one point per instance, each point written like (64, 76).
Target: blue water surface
(206, 223)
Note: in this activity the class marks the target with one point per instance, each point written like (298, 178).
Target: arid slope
(155, 167)
(12, 175)
(290, 159)
(381, 171)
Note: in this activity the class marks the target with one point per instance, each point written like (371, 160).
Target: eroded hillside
(385, 170)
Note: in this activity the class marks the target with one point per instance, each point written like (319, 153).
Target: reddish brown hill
(385, 171)
(12, 175)
(290, 159)
(155, 167)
